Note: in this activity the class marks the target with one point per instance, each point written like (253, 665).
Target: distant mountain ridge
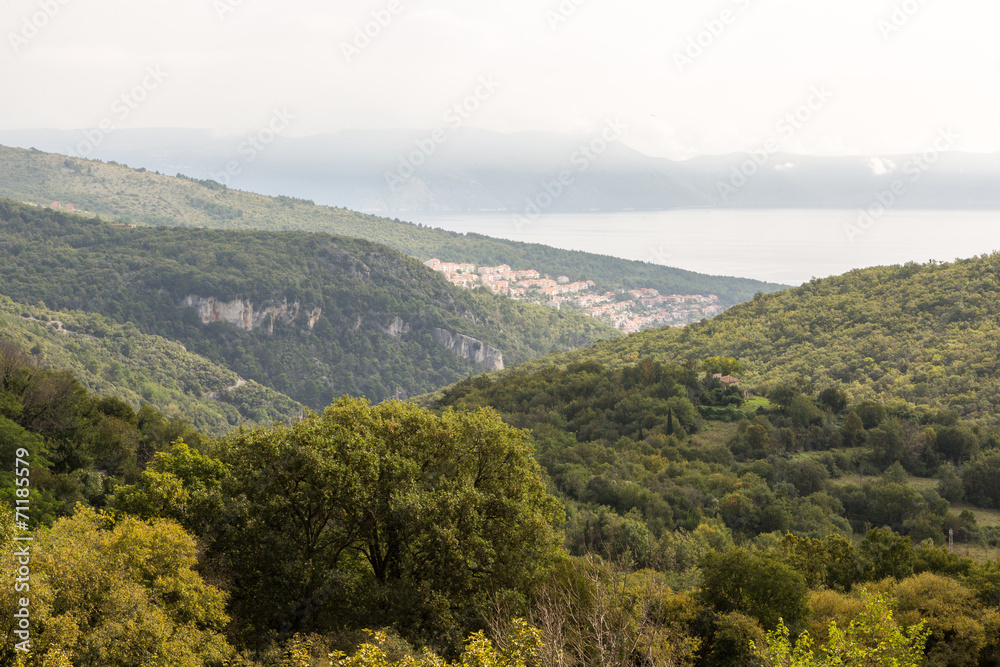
(139, 196)
(477, 170)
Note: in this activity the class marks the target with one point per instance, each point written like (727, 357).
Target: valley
(520, 334)
(513, 429)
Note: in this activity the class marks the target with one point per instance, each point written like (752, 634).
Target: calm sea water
(783, 246)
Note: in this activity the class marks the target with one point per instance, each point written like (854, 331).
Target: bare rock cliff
(471, 349)
(396, 328)
(245, 315)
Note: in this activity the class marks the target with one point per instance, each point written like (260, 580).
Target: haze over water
(783, 246)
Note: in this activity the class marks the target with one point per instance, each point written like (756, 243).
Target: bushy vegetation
(116, 592)
(83, 447)
(635, 454)
(628, 504)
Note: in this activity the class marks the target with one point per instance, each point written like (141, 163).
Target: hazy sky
(894, 71)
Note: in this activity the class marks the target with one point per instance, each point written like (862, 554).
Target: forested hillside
(117, 360)
(918, 337)
(786, 506)
(137, 196)
(571, 514)
(80, 445)
(309, 315)
(664, 536)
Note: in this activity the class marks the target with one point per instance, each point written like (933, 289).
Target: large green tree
(755, 584)
(403, 516)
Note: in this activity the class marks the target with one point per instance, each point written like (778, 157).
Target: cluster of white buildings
(505, 280)
(630, 311)
(647, 309)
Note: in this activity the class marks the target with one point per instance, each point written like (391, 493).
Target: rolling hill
(872, 404)
(137, 196)
(310, 315)
(923, 337)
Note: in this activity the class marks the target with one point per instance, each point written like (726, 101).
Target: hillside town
(628, 310)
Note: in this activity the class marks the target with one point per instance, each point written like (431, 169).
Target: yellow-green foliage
(115, 593)
(874, 638)
(961, 628)
(521, 649)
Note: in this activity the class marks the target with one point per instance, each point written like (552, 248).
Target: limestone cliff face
(397, 328)
(471, 349)
(245, 315)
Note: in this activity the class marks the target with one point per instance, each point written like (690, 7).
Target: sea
(782, 246)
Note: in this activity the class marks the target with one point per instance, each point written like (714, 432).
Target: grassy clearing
(751, 405)
(985, 518)
(918, 483)
(717, 433)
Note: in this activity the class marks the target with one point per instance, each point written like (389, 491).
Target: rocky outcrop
(243, 314)
(397, 328)
(471, 349)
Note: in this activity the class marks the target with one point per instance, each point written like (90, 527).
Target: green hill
(926, 337)
(872, 402)
(114, 360)
(310, 315)
(122, 194)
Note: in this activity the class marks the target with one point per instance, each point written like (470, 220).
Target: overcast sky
(893, 76)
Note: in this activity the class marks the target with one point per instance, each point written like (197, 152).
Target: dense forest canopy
(809, 479)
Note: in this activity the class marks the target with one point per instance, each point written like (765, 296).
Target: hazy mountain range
(465, 170)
